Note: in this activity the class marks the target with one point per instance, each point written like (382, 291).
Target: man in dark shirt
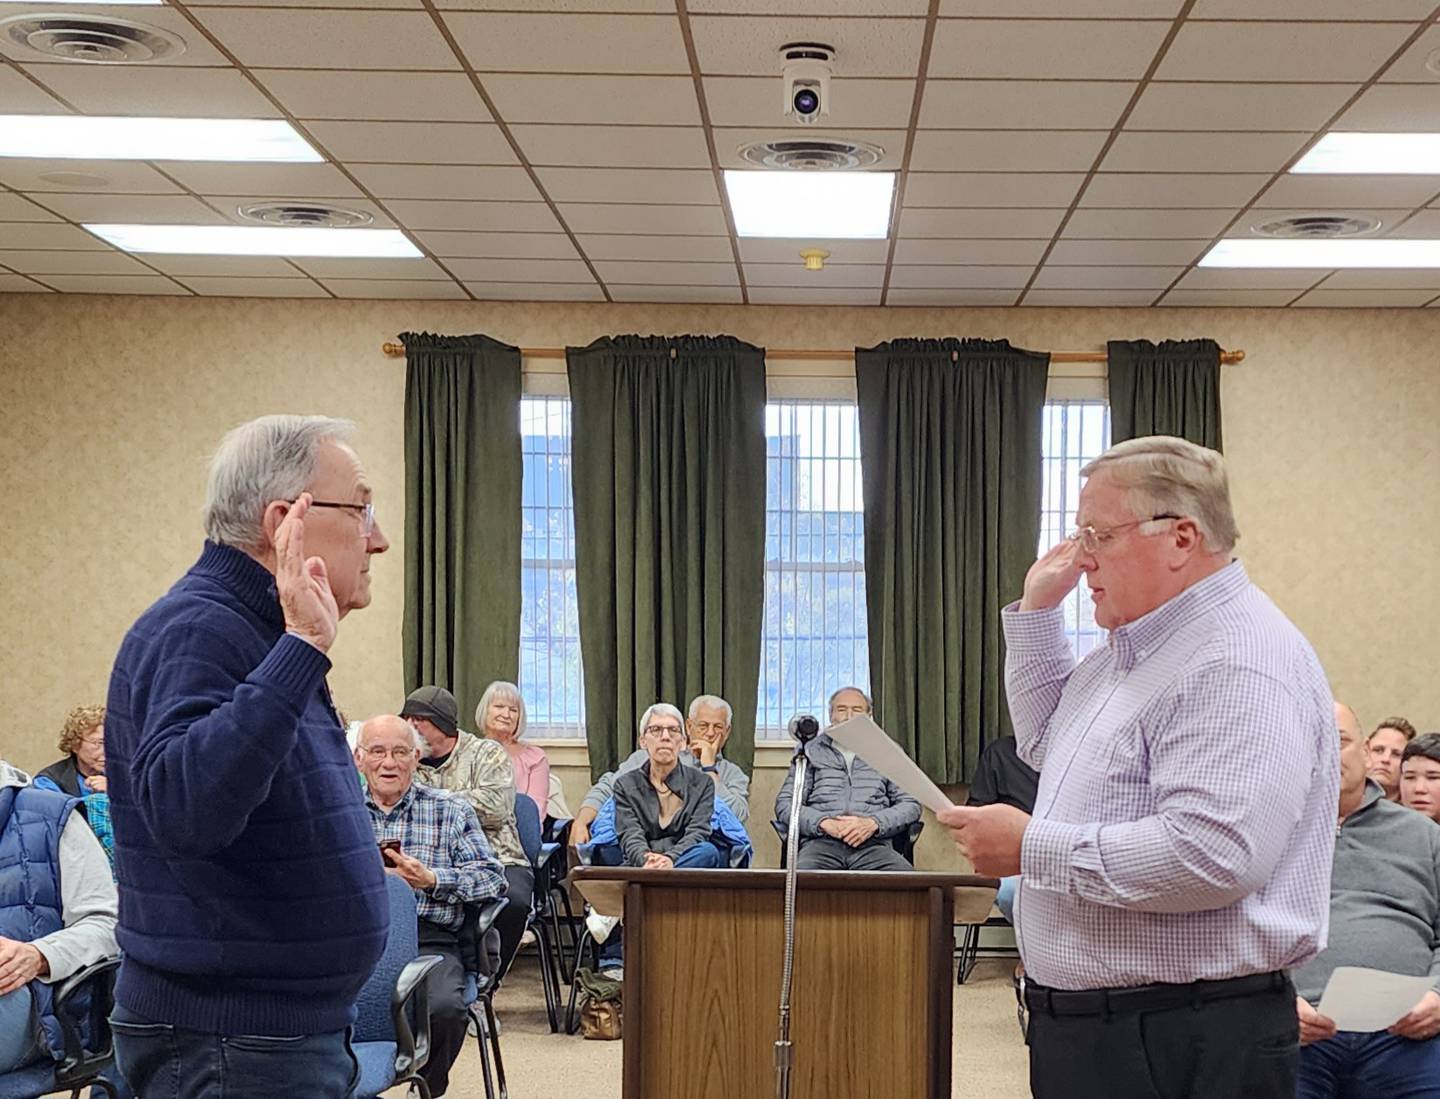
(1003, 778)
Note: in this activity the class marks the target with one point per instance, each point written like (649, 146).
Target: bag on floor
(601, 1013)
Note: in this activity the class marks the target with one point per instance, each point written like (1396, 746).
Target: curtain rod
(395, 349)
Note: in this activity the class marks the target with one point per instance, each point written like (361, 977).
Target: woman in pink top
(501, 716)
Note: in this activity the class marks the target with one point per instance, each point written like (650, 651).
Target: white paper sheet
(1370, 999)
(868, 741)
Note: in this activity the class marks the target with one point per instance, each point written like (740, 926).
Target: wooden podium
(704, 951)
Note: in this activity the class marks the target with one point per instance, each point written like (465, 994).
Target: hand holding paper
(1368, 1000)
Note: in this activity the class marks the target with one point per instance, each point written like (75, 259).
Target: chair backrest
(527, 822)
(373, 1022)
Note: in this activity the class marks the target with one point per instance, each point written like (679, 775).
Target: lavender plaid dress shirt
(1189, 777)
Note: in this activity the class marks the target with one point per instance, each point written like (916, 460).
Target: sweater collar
(245, 576)
(1374, 793)
(675, 779)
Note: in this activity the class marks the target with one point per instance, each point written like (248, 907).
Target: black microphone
(804, 727)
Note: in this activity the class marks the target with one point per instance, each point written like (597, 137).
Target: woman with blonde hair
(500, 717)
(81, 768)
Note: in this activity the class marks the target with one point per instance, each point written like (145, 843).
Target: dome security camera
(805, 75)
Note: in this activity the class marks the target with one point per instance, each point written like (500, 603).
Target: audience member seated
(58, 910)
(1420, 775)
(500, 717)
(1003, 778)
(1384, 914)
(708, 728)
(848, 810)
(81, 768)
(1383, 749)
(443, 856)
(479, 771)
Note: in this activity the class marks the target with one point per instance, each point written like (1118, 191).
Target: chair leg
(494, 1029)
(480, 1028)
(563, 891)
(969, 953)
(415, 1082)
(548, 978)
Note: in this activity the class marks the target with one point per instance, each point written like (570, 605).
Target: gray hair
(1162, 473)
(712, 700)
(417, 741)
(869, 703)
(661, 708)
(506, 692)
(267, 459)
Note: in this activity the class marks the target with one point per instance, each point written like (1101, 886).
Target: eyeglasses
(663, 731)
(710, 726)
(1094, 539)
(367, 513)
(375, 753)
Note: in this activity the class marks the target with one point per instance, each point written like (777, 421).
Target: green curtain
(462, 514)
(669, 483)
(950, 442)
(1170, 388)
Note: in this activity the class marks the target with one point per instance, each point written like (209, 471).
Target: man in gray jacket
(848, 811)
(1384, 914)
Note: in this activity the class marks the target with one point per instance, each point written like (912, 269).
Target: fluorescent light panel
(81, 137)
(1323, 253)
(245, 240)
(1373, 154)
(811, 204)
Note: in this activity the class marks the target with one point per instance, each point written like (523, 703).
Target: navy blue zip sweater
(252, 899)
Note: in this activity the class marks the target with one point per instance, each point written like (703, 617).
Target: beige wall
(112, 404)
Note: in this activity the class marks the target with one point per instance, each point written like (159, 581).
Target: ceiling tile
(831, 276)
(1280, 51)
(112, 176)
(402, 143)
(71, 263)
(1251, 219)
(1311, 9)
(789, 295)
(614, 146)
(17, 284)
(812, 7)
(1410, 66)
(155, 90)
(721, 295)
(231, 205)
(217, 266)
(535, 291)
(956, 297)
(1394, 108)
(1092, 298)
(44, 235)
(1066, 49)
(787, 250)
(969, 251)
(647, 185)
(607, 217)
(21, 96)
(599, 246)
(1163, 190)
(520, 270)
(432, 97)
(855, 103)
(570, 43)
(499, 245)
(1292, 279)
(179, 209)
(236, 286)
(115, 284)
(197, 51)
(1017, 223)
(398, 289)
(281, 38)
(728, 142)
(660, 272)
(1190, 106)
(1006, 151)
(528, 217)
(1425, 223)
(1202, 152)
(388, 181)
(1139, 253)
(642, 6)
(636, 100)
(1106, 278)
(309, 3)
(1146, 224)
(1023, 104)
(1343, 191)
(748, 47)
(327, 267)
(1108, 9)
(968, 278)
(19, 208)
(1324, 298)
(1019, 189)
(1235, 299)
(1377, 279)
(264, 180)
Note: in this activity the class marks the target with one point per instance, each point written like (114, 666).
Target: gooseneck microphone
(804, 728)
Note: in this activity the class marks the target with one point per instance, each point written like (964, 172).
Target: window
(550, 677)
(1074, 433)
(814, 634)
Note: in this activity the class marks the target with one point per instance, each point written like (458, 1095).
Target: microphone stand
(784, 1054)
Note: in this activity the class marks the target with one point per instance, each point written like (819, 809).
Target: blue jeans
(17, 1030)
(703, 856)
(1376, 1065)
(160, 1061)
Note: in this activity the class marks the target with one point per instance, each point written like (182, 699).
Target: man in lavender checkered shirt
(1178, 860)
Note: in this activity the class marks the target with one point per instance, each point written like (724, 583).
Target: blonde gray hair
(506, 692)
(712, 700)
(1162, 473)
(661, 708)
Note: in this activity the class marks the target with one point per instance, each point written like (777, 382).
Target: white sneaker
(600, 926)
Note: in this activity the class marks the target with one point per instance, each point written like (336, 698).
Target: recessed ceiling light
(811, 204)
(84, 137)
(1373, 154)
(246, 240)
(1324, 253)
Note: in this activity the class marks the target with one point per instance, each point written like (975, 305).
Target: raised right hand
(1314, 1027)
(302, 583)
(1052, 577)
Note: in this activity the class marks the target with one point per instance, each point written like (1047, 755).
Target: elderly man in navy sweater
(253, 900)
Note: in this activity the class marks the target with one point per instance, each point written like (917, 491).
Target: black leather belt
(1159, 997)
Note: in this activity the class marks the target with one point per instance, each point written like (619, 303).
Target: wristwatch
(711, 768)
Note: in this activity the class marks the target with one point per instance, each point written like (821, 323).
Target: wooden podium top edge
(775, 879)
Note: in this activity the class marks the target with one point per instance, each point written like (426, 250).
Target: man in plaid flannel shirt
(444, 857)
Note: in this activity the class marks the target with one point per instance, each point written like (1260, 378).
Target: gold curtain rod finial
(393, 348)
(1230, 358)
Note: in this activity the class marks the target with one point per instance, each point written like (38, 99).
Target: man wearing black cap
(478, 770)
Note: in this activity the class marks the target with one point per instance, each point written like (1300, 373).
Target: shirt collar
(1134, 641)
(406, 799)
(675, 780)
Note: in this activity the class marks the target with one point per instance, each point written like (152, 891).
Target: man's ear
(1188, 540)
(270, 520)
